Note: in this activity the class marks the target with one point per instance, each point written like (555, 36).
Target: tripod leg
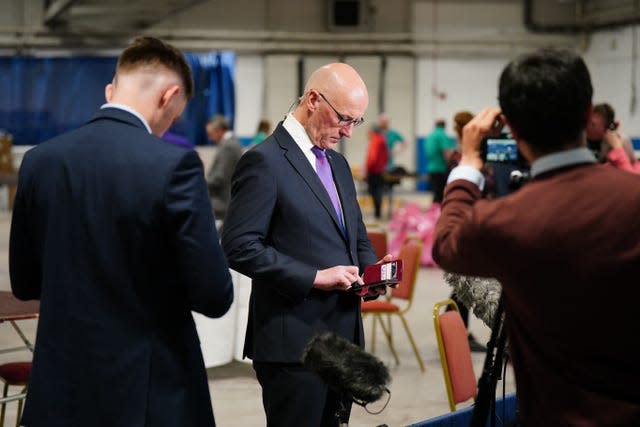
(491, 371)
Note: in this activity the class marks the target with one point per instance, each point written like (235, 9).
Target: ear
(108, 92)
(168, 95)
(312, 100)
(587, 114)
(514, 132)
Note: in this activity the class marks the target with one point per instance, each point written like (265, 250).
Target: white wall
(610, 60)
(281, 80)
(250, 94)
(446, 86)
(399, 88)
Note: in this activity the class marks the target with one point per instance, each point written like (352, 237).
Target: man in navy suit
(112, 230)
(294, 226)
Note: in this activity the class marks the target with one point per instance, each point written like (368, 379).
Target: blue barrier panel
(505, 415)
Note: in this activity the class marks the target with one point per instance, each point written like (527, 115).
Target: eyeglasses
(342, 120)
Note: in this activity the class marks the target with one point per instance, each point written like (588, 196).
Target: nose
(345, 131)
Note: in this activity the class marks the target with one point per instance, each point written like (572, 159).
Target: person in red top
(377, 158)
(618, 156)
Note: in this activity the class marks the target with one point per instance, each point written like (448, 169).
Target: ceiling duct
(579, 16)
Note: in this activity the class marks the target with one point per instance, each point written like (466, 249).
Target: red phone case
(386, 274)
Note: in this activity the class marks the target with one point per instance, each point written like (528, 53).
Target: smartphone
(385, 274)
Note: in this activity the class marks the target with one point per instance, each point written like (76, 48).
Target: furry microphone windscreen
(346, 368)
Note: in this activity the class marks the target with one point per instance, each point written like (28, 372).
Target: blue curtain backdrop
(44, 97)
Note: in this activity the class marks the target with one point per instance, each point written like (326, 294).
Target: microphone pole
(342, 414)
(491, 372)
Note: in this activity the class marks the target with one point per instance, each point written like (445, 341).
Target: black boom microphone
(346, 368)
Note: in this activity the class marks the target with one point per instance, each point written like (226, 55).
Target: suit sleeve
(222, 167)
(460, 242)
(25, 265)
(245, 233)
(199, 257)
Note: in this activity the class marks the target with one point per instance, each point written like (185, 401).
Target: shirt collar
(227, 137)
(298, 133)
(128, 110)
(562, 159)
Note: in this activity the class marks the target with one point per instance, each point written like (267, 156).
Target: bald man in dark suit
(294, 226)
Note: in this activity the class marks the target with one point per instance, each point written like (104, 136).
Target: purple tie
(324, 172)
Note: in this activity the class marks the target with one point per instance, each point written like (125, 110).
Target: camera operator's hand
(488, 122)
(613, 138)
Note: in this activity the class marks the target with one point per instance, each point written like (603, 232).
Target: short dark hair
(150, 51)
(264, 126)
(461, 119)
(546, 96)
(606, 111)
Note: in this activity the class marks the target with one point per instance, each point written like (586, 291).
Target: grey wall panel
(399, 88)
(355, 148)
(281, 82)
(250, 93)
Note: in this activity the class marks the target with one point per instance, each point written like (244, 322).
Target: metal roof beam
(55, 9)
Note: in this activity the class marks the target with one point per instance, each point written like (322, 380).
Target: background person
(438, 148)
(601, 119)
(264, 128)
(224, 162)
(541, 244)
(377, 156)
(617, 155)
(460, 119)
(113, 232)
(294, 226)
(396, 144)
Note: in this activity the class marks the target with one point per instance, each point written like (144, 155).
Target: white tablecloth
(222, 340)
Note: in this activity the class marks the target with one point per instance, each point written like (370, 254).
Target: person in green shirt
(395, 145)
(264, 128)
(395, 141)
(438, 147)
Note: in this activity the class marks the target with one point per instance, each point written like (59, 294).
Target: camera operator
(602, 121)
(617, 155)
(555, 246)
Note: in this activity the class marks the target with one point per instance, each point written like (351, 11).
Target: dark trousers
(376, 186)
(438, 181)
(294, 396)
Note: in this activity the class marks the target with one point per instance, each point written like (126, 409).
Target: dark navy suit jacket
(280, 229)
(113, 231)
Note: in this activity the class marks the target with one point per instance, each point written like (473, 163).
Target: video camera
(508, 168)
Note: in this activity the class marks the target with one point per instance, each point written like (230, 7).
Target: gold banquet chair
(378, 239)
(410, 254)
(455, 353)
(14, 374)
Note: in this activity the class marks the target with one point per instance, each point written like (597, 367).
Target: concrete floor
(236, 394)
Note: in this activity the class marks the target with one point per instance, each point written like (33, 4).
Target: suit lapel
(297, 159)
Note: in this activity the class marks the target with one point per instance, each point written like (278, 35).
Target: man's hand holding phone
(370, 292)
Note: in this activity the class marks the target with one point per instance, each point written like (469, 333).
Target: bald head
(337, 77)
(335, 97)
